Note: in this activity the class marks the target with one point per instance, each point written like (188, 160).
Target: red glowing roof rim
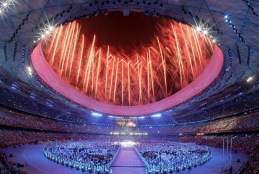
(47, 74)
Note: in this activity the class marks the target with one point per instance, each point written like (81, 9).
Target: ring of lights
(47, 74)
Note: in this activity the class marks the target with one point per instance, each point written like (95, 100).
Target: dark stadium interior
(152, 63)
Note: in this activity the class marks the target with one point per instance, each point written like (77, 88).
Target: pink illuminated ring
(47, 74)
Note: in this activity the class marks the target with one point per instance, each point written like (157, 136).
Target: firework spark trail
(122, 80)
(94, 67)
(163, 63)
(197, 46)
(137, 81)
(178, 55)
(193, 53)
(129, 82)
(68, 57)
(64, 45)
(73, 54)
(148, 69)
(113, 64)
(140, 82)
(93, 70)
(64, 50)
(116, 77)
(157, 79)
(70, 47)
(180, 52)
(88, 66)
(210, 47)
(91, 64)
(151, 70)
(86, 70)
(208, 41)
(106, 79)
(98, 71)
(81, 57)
(186, 45)
(53, 39)
(55, 49)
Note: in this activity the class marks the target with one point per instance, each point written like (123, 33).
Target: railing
(3, 169)
(240, 169)
(141, 157)
(6, 167)
(114, 157)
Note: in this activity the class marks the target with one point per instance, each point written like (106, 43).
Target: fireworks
(174, 58)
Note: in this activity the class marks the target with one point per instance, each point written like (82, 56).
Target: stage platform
(128, 162)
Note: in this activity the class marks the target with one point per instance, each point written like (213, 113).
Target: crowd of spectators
(16, 119)
(15, 100)
(248, 122)
(20, 99)
(15, 137)
(242, 123)
(234, 124)
(12, 137)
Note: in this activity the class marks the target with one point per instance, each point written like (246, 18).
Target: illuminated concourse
(129, 86)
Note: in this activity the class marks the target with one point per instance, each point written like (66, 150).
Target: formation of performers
(91, 156)
(97, 156)
(171, 157)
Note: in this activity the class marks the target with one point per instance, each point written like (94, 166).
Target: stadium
(129, 86)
